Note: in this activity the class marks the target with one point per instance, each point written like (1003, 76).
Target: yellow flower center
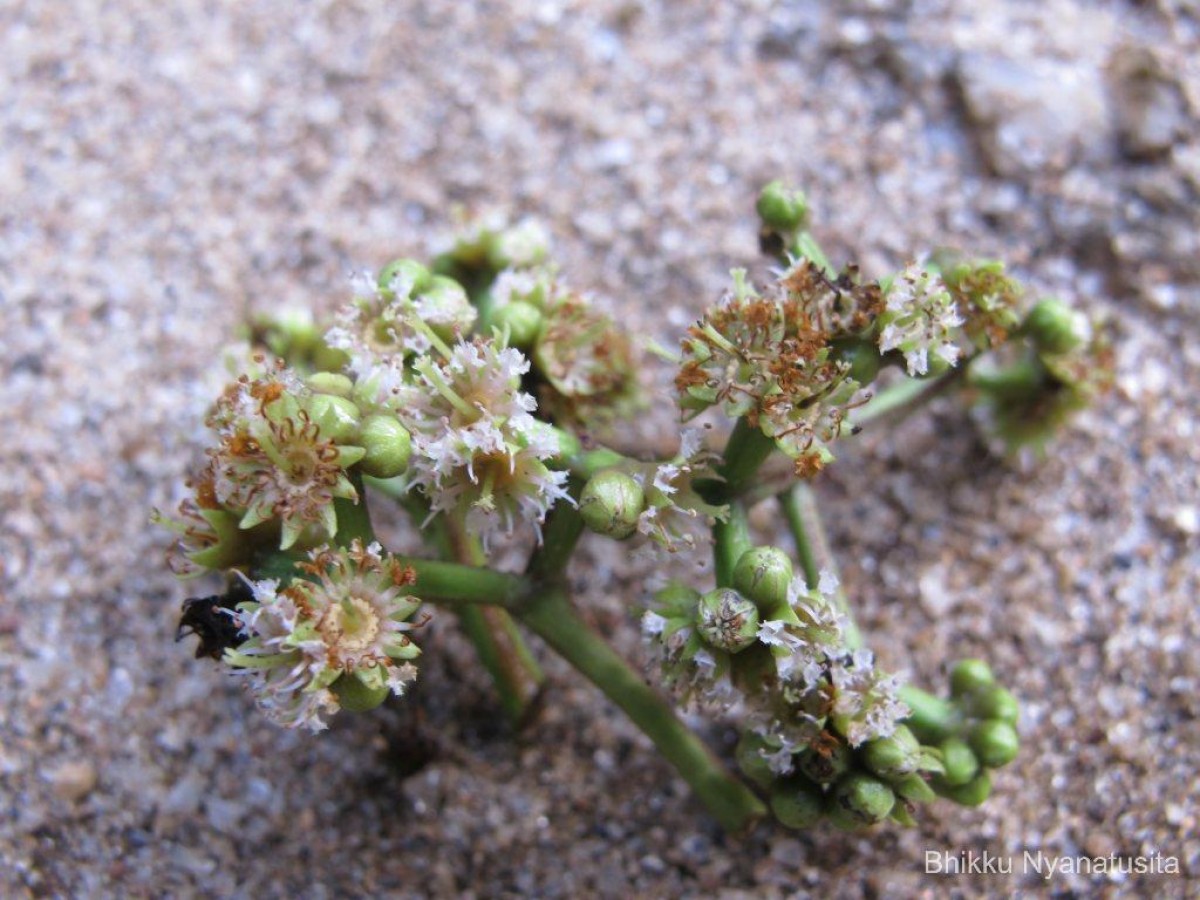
(351, 626)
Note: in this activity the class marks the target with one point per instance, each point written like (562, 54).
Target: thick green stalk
(563, 528)
(799, 505)
(453, 583)
(731, 539)
(353, 519)
(491, 629)
(552, 618)
(746, 450)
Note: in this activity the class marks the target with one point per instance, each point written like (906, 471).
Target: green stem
(553, 619)
(501, 649)
(745, 451)
(563, 528)
(731, 539)
(459, 585)
(806, 246)
(800, 510)
(353, 519)
(932, 719)
(900, 400)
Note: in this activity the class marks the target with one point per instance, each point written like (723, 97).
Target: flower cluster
(279, 463)
(478, 451)
(335, 636)
(391, 317)
(771, 358)
(584, 366)
(777, 652)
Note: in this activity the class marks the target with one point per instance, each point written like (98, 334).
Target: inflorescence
(474, 390)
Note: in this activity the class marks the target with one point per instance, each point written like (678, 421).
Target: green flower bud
(959, 762)
(782, 209)
(337, 417)
(969, 676)
(1054, 327)
(862, 799)
(361, 691)
(388, 445)
(332, 383)
(915, 789)
(405, 269)
(1021, 380)
(727, 620)
(994, 742)
(826, 768)
(973, 793)
(445, 293)
(763, 574)
(797, 803)
(895, 756)
(750, 759)
(523, 322)
(995, 703)
(611, 503)
(863, 357)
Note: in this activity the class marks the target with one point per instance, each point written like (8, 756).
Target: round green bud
(863, 799)
(995, 703)
(360, 691)
(337, 417)
(994, 742)
(727, 620)
(1054, 327)
(523, 322)
(863, 357)
(763, 574)
(797, 803)
(895, 756)
(333, 383)
(611, 503)
(969, 676)
(973, 793)
(403, 270)
(782, 209)
(750, 759)
(446, 293)
(826, 767)
(959, 762)
(388, 446)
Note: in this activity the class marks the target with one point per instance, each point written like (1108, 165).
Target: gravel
(168, 169)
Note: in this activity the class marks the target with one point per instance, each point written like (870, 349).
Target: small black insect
(208, 618)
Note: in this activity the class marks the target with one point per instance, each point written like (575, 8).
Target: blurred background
(168, 169)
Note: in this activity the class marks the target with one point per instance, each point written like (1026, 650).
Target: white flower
(919, 320)
(349, 615)
(476, 447)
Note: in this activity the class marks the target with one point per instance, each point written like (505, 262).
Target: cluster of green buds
(942, 749)
(1025, 398)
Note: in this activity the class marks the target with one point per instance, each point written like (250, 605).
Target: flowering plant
(473, 391)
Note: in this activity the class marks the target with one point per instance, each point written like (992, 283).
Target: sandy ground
(166, 168)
